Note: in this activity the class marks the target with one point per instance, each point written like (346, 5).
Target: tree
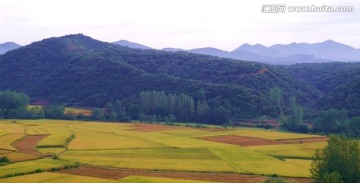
(202, 111)
(331, 121)
(97, 114)
(354, 127)
(295, 121)
(36, 112)
(54, 111)
(333, 177)
(276, 96)
(13, 104)
(341, 156)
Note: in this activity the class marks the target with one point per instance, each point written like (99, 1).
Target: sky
(186, 24)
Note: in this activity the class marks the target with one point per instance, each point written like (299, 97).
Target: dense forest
(338, 82)
(123, 84)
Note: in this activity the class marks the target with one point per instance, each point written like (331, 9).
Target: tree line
(15, 105)
(294, 117)
(152, 106)
(160, 106)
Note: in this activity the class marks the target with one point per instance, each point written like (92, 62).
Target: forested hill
(339, 83)
(78, 70)
(326, 77)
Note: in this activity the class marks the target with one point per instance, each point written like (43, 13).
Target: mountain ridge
(283, 54)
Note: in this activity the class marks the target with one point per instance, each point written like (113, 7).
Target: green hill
(339, 83)
(78, 70)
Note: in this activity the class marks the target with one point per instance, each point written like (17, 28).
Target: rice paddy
(150, 147)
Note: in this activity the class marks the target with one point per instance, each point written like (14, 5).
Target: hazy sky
(225, 24)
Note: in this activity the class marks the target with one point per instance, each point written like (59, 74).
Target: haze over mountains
(278, 54)
(327, 51)
(5, 47)
(131, 44)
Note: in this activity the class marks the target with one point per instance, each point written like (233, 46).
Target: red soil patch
(240, 140)
(27, 144)
(259, 72)
(262, 71)
(153, 127)
(251, 141)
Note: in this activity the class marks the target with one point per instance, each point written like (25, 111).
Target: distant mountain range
(5, 47)
(278, 54)
(327, 51)
(131, 44)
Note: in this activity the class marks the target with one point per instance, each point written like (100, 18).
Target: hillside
(339, 82)
(346, 96)
(78, 70)
(325, 76)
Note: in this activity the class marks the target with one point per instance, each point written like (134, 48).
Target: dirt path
(27, 144)
(251, 141)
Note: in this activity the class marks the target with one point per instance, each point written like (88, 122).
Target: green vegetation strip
(35, 166)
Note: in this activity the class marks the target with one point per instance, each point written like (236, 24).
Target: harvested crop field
(111, 173)
(121, 173)
(27, 144)
(154, 152)
(252, 141)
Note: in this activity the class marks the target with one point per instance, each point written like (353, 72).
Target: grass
(247, 161)
(35, 130)
(4, 152)
(7, 140)
(11, 126)
(31, 166)
(3, 133)
(57, 139)
(153, 159)
(55, 150)
(300, 162)
(16, 157)
(269, 134)
(55, 178)
(305, 150)
(100, 140)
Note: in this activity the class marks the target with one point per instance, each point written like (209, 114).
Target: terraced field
(133, 152)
